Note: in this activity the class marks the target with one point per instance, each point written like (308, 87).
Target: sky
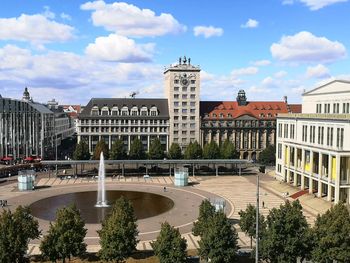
(77, 50)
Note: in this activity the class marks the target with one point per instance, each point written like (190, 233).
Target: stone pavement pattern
(237, 190)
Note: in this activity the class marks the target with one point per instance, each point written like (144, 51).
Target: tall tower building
(182, 88)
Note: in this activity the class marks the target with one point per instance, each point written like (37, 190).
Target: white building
(182, 88)
(313, 151)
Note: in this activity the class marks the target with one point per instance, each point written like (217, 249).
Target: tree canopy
(219, 242)
(101, 146)
(136, 150)
(193, 151)
(331, 236)
(287, 236)
(118, 236)
(16, 229)
(228, 151)
(81, 151)
(65, 238)
(170, 247)
(206, 212)
(211, 151)
(156, 151)
(268, 155)
(118, 151)
(247, 222)
(175, 151)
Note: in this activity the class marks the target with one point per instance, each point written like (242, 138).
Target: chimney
(285, 99)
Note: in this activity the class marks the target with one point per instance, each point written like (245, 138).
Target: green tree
(156, 151)
(65, 238)
(287, 234)
(219, 242)
(118, 236)
(206, 212)
(228, 151)
(211, 151)
(175, 151)
(101, 146)
(247, 222)
(193, 151)
(268, 155)
(16, 229)
(331, 236)
(81, 151)
(136, 150)
(170, 247)
(118, 151)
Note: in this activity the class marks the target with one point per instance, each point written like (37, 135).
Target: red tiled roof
(295, 108)
(256, 109)
(77, 108)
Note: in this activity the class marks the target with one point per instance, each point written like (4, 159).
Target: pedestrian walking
(263, 204)
(164, 189)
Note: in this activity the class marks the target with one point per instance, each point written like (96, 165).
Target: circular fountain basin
(145, 205)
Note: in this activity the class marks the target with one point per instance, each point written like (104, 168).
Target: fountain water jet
(101, 190)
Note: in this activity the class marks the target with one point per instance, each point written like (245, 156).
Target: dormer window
(262, 115)
(94, 111)
(154, 111)
(125, 111)
(134, 111)
(114, 111)
(221, 115)
(214, 115)
(229, 115)
(144, 111)
(104, 111)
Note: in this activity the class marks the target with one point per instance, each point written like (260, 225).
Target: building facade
(26, 128)
(182, 89)
(250, 125)
(313, 151)
(124, 119)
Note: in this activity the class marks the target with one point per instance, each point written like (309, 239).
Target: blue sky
(75, 50)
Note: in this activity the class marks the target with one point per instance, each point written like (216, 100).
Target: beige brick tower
(182, 88)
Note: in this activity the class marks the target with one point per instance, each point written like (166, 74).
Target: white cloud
(208, 31)
(251, 23)
(319, 71)
(306, 47)
(260, 63)
(245, 71)
(119, 48)
(48, 13)
(35, 29)
(314, 4)
(73, 78)
(255, 89)
(129, 20)
(65, 16)
(280, 74)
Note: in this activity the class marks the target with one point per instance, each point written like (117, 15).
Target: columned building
(27, 128)
(250, 125)
(313, 151)
(124, 119)
(182, 89)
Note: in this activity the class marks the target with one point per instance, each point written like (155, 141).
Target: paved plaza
(238, 191)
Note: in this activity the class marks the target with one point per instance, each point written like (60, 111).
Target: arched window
(154, 111)
(124, 111)
(104, 111)
(114, 111)
(144, 111)
(134, 111)
(94, 110)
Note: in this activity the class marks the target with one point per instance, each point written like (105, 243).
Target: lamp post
(257, 220)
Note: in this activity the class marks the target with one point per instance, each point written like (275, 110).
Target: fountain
(101, 190)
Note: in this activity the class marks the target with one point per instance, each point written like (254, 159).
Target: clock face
(184, 82)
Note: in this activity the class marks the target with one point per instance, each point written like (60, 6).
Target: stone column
(250, 139)
(129, 142)
(329, 186)
(241, 137)
(311, 180)
(218, 136)
(302, 186)
(295, 182)
(319, 187)
(234, 138)
(257, 139)
(337, 180)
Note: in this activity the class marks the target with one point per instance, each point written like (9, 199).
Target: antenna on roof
(133, 94)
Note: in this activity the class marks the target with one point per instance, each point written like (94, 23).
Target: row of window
(192, 111)
(229, 115)
(184, 118)
(185, 126)
(125, 129)
(184, 96)
(184, 89)
(286, 132)
(122, 122)
(239, 124)
(184, 133)
(320, 135)
(183, 140)
(184, 104)
(335, 108)
(124, 111)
